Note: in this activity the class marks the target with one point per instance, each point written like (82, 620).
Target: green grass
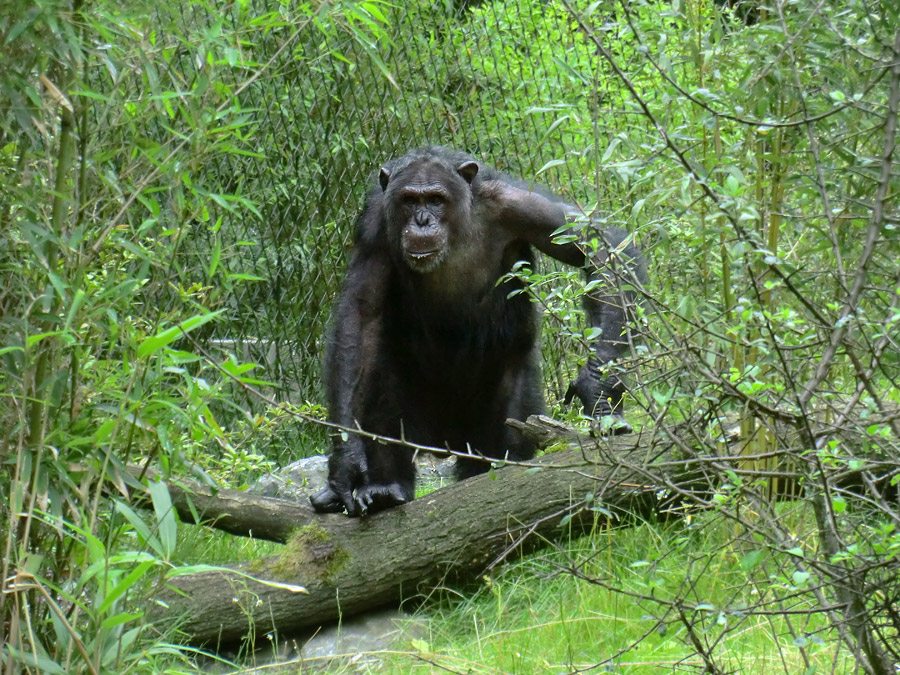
(537, 617)
(600, 603)
(197, 544)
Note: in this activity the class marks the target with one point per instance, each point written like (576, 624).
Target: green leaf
(165, 517)
(76, 305)
(574, 74)
(214, 257)
(838, 504)
(636, 209)
(200, 569)
(732, 187)
(550, 165)
(143, 530)
(119, 619)
(32, 340)
(124, 585)
(92, 94)
(41, 663)
(103, 431)
(610, 149)
(421, 646)
(155, 343)
(752, 559)
(240, 276)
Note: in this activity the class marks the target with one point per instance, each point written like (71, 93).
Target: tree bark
(240, 513)
(348, 565)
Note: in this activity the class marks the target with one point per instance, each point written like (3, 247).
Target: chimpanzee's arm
(352, 342)
(529, 216)
(617, 265)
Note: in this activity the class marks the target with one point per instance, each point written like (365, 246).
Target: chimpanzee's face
(428, 207)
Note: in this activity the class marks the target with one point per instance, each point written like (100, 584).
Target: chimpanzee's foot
(326, 500)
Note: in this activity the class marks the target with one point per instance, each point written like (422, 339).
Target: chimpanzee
(431, 343)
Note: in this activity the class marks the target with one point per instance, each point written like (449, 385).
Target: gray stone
(434, 471)
(360, 635)
(298, 480)
(352, 646)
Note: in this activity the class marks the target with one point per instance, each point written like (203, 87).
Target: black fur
(427, 346)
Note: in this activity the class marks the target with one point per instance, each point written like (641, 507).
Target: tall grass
(607, 602)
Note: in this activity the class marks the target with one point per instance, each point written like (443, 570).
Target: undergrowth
(604, 603)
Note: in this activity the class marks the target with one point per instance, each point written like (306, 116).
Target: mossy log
(453, 534)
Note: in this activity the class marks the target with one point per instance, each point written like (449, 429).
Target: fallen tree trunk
(241, 513)
(351, 565)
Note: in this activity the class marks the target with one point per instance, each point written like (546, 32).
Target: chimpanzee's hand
(347, 471)
(368, 498)
(377, 497)
(601, 397)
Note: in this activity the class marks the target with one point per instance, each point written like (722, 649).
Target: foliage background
(179, 184)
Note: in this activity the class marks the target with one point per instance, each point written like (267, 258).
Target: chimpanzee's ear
(468, 171)
(384, 177)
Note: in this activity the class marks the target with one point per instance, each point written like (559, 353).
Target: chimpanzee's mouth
(424, 262)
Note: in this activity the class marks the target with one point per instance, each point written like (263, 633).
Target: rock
(434, 471)
(298, 480)
(354, 643)
(362, 635)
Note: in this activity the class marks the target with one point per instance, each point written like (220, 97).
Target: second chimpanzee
(429, 343)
